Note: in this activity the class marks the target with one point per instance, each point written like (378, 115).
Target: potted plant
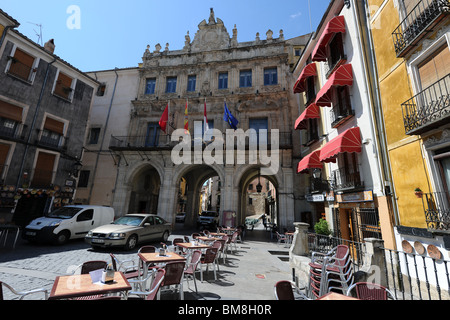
(418, 192)
(322, 227)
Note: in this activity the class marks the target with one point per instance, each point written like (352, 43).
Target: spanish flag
(186, 121)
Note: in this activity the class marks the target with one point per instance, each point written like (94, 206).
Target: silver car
(129, 230)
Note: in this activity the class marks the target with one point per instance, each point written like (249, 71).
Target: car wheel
(62, 237)
(131, 242)
(165, 236)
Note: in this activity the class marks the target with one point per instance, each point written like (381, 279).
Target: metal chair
(174, 276)
(281, 238)
(153, 291)
(370, 291)
(89, 266)
(22, 294)
(208, 258)
(191, 267)
(233, 241)
(147, 249)
(130, 272)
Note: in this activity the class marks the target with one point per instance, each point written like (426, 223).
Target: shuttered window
(21, 65)
(54, 126)
(10, 111)
(435, 68)
(63, 87)
(43, 171)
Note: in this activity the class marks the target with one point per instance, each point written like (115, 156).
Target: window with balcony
(22, 65)
(430, 107)
(342, 109)
(64, 86)
(171, 84)
(223, 80)
(10, 119)
(52, 134)
(418, 18)
(152, 137)
(270, 76)
(347, 176)
(150, 85)
(245, 78)
(335, 53)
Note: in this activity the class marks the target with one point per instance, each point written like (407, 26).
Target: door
(152, 138)
(84, 222)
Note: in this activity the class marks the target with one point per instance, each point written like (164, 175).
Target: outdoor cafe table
(207, 239)
(193, 246)
(156, 258)
(218, 234)
(335, 296)
(81, 285)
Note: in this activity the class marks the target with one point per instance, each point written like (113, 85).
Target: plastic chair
(174, 276)
(209, 258)
(152, 294)
(287, 290)
(93, 265)
(22, 294)
(191, 267)
(370, 291)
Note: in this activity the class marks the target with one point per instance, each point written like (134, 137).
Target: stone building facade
(44, 108)
(213, 69)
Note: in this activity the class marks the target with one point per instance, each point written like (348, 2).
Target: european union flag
(228, 117)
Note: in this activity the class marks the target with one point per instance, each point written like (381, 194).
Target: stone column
(374, 264)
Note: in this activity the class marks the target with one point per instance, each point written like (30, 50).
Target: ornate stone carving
(211, 36)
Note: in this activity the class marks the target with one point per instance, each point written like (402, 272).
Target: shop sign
(315, 197)
(362, 196)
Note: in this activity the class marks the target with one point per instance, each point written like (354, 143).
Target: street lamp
(259, 186)
(76, 168)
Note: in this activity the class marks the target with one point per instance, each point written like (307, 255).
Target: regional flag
(228, 117)
(163, 121)
(186, 121)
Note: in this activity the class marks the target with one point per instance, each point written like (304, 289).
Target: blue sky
(116, 33)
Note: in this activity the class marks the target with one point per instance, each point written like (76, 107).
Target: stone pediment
(211, 35)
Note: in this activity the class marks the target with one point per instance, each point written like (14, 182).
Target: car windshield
(208, 214)
(129, 221)
(64, 213)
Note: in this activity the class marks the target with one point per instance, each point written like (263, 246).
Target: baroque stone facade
(252, 78)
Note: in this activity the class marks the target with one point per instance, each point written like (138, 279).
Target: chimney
(50, 46)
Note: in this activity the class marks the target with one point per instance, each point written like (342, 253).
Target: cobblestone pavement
(249, 273)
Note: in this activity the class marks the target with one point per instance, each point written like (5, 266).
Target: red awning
(309, 70)
(337, 24)
(343, 76)
(311, 161)
(311, 112)
(348, 141)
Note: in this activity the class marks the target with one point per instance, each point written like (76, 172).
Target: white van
(69, 222)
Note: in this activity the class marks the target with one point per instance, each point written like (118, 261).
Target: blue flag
(228, 117)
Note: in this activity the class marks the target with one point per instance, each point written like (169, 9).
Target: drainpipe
(33, 123)
(5, 31)
(370, 65)
(103, 136)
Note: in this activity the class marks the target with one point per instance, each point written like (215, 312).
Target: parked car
(129, 230)
(208, 218)
(180, 217)
(69, 222)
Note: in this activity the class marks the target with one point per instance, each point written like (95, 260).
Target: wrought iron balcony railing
(422, 18)
(10, 129)
(340, 114)
(163, 141)
(346, 178)
(437, 210)
(428, 109)
(52, 140)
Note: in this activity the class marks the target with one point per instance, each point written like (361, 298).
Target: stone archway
(145, 185)
(195, 176)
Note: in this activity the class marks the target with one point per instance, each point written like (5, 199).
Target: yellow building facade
(412, 59)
